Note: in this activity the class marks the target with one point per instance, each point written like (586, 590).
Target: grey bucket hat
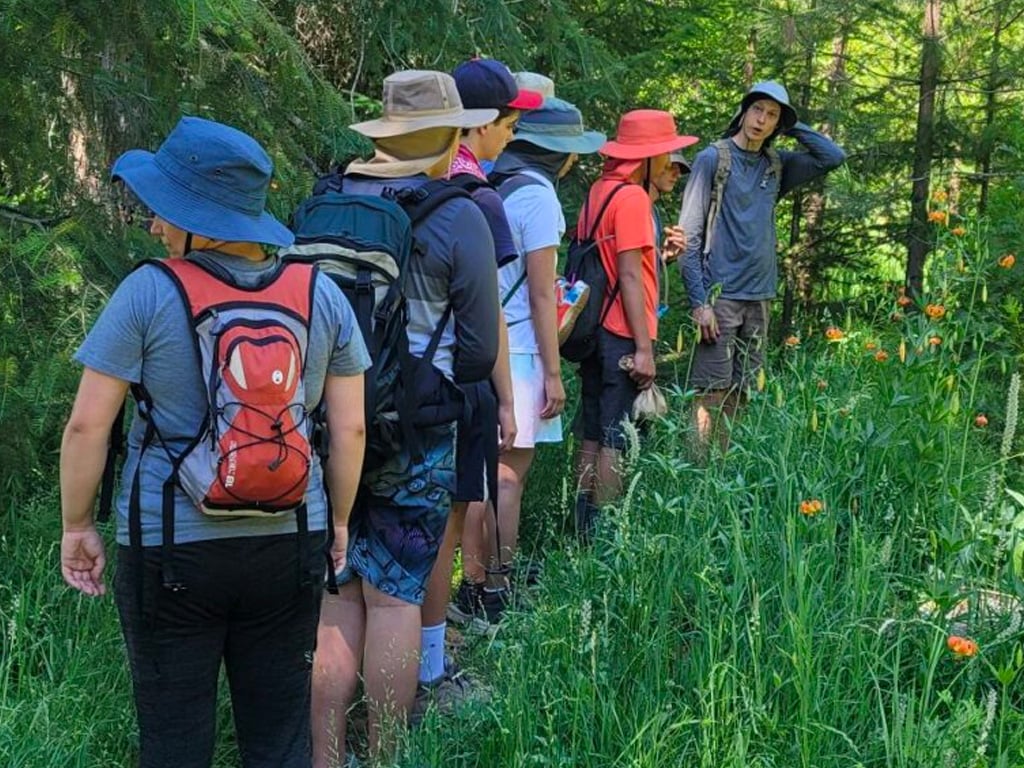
(558, 126)
(766, 89)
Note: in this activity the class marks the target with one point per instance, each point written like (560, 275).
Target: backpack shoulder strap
(516, 182)
(467, 181)
(419, 203)
(603, 208)
(723, 149)
(776, 164)
(330, 182)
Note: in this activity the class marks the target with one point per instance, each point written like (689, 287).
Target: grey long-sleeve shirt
(743, 256)
(458, 268)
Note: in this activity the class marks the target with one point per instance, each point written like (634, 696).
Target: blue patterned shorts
(399, 517)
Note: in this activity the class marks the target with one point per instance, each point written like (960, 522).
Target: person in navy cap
(544, 148)
(247, 592)
(489, 424)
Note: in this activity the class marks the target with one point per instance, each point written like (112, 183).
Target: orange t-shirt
(626, 225)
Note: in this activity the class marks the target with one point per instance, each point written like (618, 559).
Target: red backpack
(252, 454)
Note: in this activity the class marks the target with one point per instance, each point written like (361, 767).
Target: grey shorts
(732, 362)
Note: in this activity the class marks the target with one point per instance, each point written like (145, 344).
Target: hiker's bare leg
(439, 587)
(339, 653)
(585, 508)
(586, 465)
(477, 538)
(513, 467)
(608, 480)
(707, 415)
(391, 661)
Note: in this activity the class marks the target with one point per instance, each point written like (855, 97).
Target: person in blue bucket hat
(728, 216)
(247, 588)
(545, 146)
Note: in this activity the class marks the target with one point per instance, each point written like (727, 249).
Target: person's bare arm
(83, 454)
(631, 289)
(501, 378)
(346, 425)
(540, 281)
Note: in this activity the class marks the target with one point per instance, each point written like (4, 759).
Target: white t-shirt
(536, 220)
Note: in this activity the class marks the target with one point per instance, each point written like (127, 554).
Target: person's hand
(506, 426)
(704, 317)
(554, 396)
(643, 370)
(82, 560)
(339, 549)
(673, 244)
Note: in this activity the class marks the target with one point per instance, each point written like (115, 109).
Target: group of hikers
(277, 418)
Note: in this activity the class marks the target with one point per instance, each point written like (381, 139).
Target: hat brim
(527, 100)
(585, 143)
(385, 128)
(180, 206)
(642, 151)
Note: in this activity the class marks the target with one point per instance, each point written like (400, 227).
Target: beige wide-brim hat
(417, 99)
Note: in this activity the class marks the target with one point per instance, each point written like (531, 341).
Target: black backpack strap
(614, 293)
(115, 446)
(516, 182)
(602, 209)
(330, 182)
(145, 410)
(420, 202)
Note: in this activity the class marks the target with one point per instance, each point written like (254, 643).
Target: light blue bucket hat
(766, 89)
(209, 179)
(558, 126)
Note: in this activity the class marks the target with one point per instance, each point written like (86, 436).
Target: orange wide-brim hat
(646, 133)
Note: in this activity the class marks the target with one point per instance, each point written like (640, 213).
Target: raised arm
(822, 155)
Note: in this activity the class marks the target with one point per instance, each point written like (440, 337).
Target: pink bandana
(465, 162)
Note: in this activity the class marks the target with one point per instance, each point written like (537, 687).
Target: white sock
(432, 653)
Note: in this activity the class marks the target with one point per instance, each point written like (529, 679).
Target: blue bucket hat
(558, 126)
(766, 89)
(208, 179)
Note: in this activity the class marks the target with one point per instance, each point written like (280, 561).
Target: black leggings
(246, 605)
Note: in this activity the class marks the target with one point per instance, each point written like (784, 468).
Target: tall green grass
(711, 622)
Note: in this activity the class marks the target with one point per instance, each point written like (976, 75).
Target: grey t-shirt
(457, 267)
(143, 336)
(743, 250)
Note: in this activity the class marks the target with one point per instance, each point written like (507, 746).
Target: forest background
(879, 420)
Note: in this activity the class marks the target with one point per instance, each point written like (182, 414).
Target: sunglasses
(132, 211)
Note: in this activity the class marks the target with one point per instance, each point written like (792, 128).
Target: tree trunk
(750, 64)
(920, 239)
(993, 82)
(794, 262)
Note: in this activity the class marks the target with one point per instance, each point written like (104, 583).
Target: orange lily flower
(962, 647)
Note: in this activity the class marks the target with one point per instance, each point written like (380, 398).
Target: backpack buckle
(364, 285)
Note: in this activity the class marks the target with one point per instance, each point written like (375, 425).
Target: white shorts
(528, 391)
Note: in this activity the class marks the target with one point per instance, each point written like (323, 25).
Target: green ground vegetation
(720, 618)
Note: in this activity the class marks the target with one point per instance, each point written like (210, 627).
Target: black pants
(246, 605)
